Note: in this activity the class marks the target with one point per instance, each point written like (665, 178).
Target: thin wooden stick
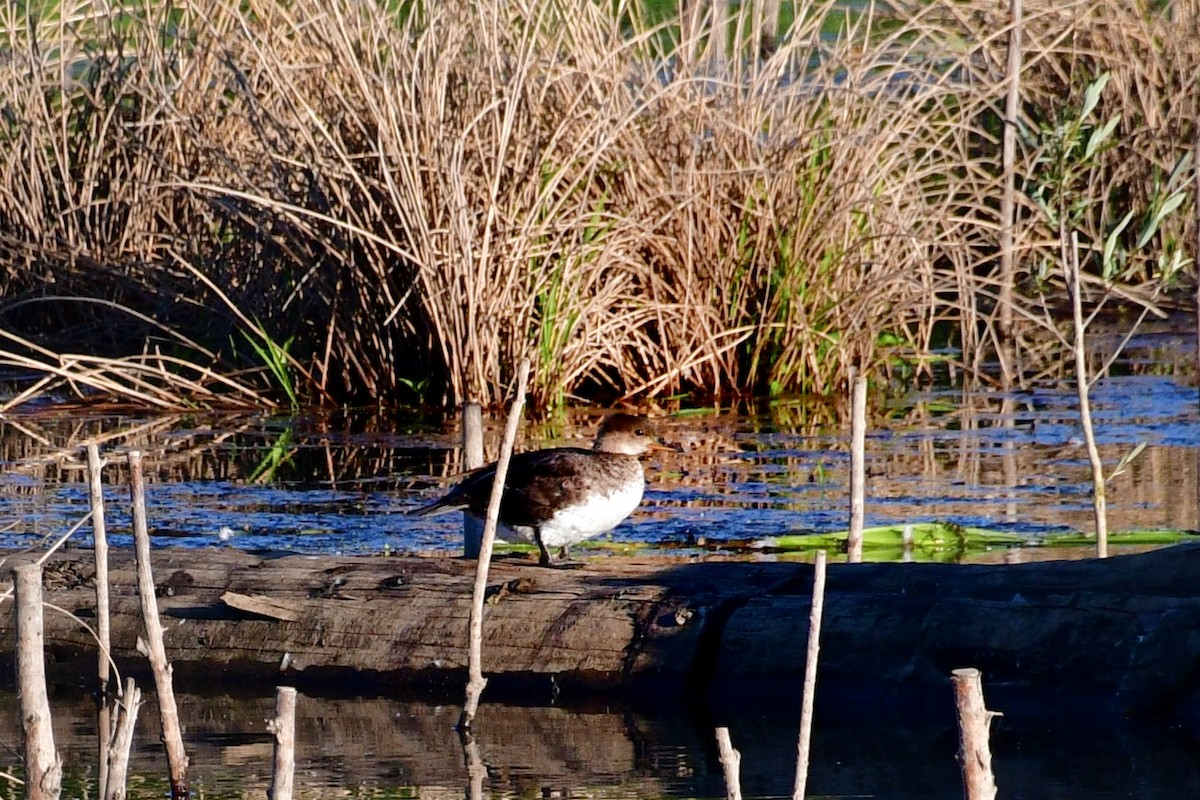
(1008, 157)
(43, 766)
(803, 743)
(1195, 209)
(283, 726)
(117, 758)
(731, 761)
(472, 444)
(476, 681)
(858, 435)
(177, 759)
(100, 540)
(1099, 502)
(103, 621)
(973, 721)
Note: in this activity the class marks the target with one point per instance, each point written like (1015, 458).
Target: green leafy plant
(275, 358)
(1070, 147)
(275, 457)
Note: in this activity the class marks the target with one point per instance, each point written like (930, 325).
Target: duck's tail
(439, 506)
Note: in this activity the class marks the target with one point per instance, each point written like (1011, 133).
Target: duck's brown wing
(537, 484)
(542, 482)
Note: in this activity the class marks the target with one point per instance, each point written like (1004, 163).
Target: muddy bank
(1126, 629)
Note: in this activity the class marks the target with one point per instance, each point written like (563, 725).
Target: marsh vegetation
(214, 204)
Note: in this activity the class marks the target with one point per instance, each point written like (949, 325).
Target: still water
(339, 483)
(388, 747)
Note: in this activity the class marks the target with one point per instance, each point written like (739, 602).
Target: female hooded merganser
(564, 495)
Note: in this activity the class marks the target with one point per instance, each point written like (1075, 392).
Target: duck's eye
(640, 432)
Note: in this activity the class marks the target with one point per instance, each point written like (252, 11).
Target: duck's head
(629, 435)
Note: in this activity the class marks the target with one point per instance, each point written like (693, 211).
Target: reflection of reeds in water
(381, 742)
(931, 460)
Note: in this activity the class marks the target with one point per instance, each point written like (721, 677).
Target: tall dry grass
(400, 203)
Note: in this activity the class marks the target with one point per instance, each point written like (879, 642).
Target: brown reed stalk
(1008, 154)
(1082, 382)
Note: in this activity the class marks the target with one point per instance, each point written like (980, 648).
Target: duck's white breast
(596, 515)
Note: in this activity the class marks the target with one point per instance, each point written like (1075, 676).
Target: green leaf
(1180, 167)
(1170, 204)
(1100, 136)
(1110, 245)
(1169, 266)
(1091, 97)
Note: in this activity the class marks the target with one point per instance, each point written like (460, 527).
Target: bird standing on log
(563, 495)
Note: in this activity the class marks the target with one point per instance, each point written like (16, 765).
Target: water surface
(391, 747)
(341, 482)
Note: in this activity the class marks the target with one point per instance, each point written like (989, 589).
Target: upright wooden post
(973, 722)
(177, 760)
(476, 682)
(100, 546)
(803, 743)
(43, 766)
(858, 435)
(731, 761)
(472, 448)
(122, 741)
(283, 727)
(103, 619)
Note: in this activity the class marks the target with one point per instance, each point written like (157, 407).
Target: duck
(561, 496)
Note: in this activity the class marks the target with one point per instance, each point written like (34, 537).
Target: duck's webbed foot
(545, 559)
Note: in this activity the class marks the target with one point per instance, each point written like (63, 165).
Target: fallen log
(1126, 628)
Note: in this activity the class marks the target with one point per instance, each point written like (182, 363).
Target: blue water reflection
(320, 484)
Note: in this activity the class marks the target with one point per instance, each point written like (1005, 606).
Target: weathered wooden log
(1126, 629)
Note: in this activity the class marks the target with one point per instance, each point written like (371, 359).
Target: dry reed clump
(1151, 53)
(221, 203)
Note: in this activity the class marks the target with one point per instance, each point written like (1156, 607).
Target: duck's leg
(563, 562)
(544, 557)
